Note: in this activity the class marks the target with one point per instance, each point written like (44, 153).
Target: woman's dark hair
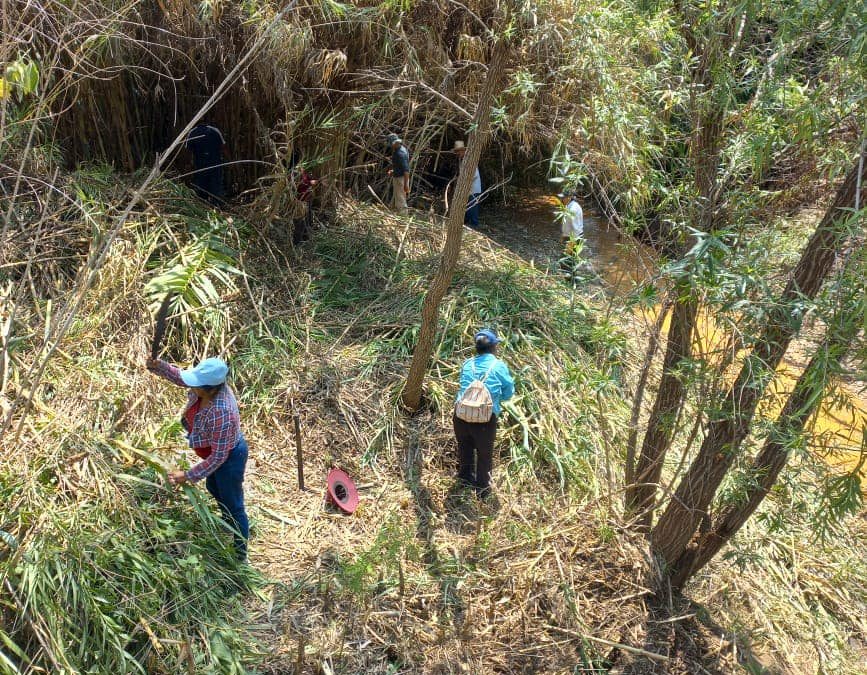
(485, 346)
(212, 389)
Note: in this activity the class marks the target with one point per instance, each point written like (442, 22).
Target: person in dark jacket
(208, 147)
(399, 173)
(476, 439)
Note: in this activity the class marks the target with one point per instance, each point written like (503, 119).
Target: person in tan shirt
(399, 173)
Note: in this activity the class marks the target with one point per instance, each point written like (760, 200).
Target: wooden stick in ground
(299, 455)
(299, 660)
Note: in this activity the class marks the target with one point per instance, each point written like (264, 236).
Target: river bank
(619, 266)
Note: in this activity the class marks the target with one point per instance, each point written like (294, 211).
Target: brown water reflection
(528, 227)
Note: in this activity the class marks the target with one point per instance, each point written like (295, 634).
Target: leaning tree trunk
(800, 406)
(430, 309)
(689, 505)
(641, 493)
(705, 147)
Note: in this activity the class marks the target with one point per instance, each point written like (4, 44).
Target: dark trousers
(475, 451)
(226, 484)
(208, 184)
(471, 217)
(301, 227)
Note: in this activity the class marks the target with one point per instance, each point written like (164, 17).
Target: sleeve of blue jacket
(507, 384)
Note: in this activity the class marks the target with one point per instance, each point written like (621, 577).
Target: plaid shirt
(217, 426)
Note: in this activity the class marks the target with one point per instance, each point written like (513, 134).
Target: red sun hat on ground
(341, 490)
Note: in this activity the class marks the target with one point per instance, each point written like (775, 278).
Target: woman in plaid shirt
(213, 426)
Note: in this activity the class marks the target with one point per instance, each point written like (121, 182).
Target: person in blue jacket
(476, 439)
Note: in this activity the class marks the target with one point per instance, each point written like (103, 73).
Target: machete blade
(160, 326)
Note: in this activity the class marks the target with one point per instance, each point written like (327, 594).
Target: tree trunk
(704, 153)
(481, 125)
(800, 406)
(696, 490)
(641, 494)
(638, 399)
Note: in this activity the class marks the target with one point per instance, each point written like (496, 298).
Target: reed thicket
(105, 569)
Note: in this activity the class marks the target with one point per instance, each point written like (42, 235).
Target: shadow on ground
(444, 568)
(691, 642)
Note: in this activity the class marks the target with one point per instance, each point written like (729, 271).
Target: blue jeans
(226, 484)
(471, 217)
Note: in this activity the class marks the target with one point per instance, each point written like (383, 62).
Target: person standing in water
(572, 222)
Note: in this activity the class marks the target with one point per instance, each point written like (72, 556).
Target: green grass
(122, 575)
(111, 556)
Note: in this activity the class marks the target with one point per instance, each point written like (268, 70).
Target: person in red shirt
(305, 183)
(213, 425)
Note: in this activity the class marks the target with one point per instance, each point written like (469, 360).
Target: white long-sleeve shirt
(477, 183)
(573, 220)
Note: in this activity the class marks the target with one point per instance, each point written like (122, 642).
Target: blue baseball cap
(207, 373)
(487, 334)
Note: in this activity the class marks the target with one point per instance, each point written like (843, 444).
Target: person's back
(571, 218)
(399, 161)
(575, 220)
(475, 421)
(206, 143)
(495, 374)
(399, 173)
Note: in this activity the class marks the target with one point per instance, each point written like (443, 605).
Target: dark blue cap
(488, 335)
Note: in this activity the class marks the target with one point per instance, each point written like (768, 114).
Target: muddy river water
(530, 230)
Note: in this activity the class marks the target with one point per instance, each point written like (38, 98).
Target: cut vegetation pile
(111, 570)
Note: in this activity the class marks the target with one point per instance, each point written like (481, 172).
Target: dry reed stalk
(409, 608)
(98, 255)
